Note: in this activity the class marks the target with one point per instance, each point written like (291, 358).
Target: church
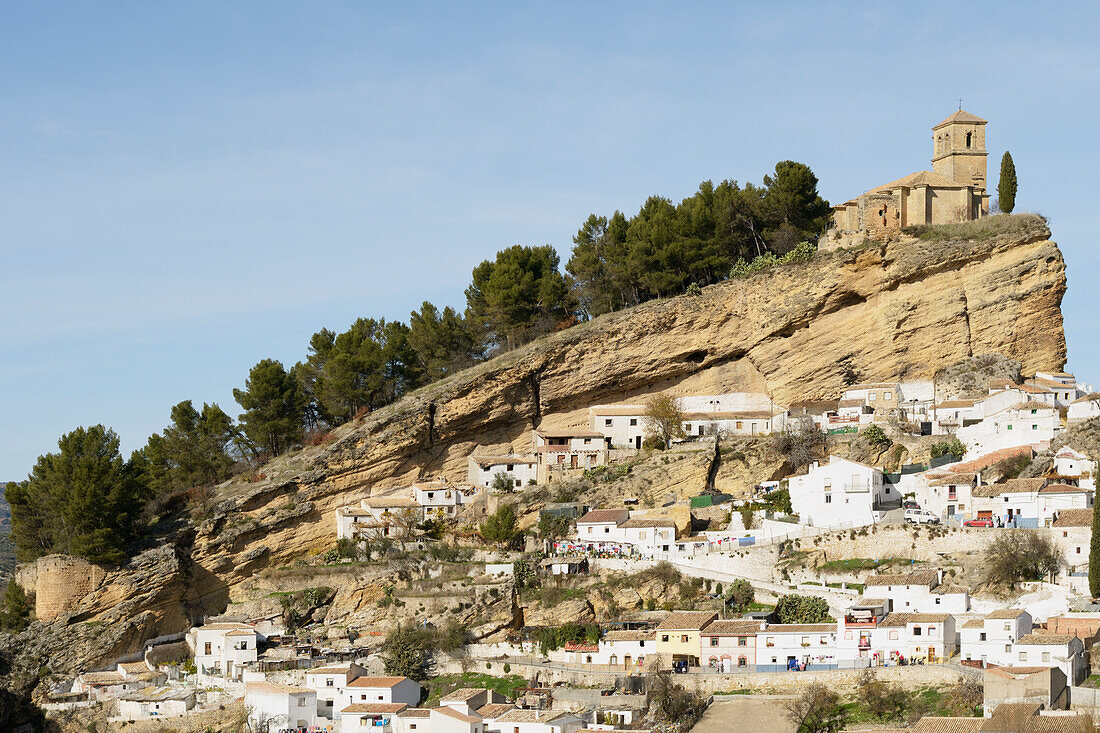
(953, 191)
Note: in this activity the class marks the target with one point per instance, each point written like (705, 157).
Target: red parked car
(978, 523)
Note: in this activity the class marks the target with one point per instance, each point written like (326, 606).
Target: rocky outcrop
(884, 311)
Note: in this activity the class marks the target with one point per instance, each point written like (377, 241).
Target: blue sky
(188, 188)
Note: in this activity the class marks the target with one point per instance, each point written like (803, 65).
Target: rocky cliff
(882, 311)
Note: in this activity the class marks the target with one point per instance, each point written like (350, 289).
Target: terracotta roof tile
(600, 516)
(687, 620)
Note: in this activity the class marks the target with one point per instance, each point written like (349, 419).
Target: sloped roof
(619, 410)
(1012, 486)
(376, 681)
(796, 628)
(995, 457)
(643, 523)
(452, 713)
(1063, 489)
(947, 725)
(499, 460)
(600, 516)
(1046, 639)
(375, 708)
(954, 479)
(1074, 518)
(687, 620)
(494, 709)
(1016, 672)
(630, 635)
(960, 116)
(1088, 398)
(731, 627)
(1006, 613)
(916, 577)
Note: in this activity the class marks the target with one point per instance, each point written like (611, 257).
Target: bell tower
(958, 149)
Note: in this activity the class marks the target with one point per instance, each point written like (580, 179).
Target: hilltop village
(646, 563)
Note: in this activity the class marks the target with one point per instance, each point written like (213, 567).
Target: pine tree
(1006, 188)
(15, 613)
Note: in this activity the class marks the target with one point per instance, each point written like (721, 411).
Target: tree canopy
(195, 450)
(442, 341)
(84, 500)
(1006, 186)
(618, 262)
(518, 296)
(273, 404)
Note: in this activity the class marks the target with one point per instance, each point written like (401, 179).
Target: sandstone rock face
(898, 310)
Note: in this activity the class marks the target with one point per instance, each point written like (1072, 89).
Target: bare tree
(664, 419)
(818, 710)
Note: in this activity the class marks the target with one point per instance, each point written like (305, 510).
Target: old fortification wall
(59, 583)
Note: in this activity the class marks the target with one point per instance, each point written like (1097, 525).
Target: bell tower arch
(958, 149)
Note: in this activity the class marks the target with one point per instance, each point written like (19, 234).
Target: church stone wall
(880, 215)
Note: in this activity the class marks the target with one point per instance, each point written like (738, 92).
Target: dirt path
(762, 713)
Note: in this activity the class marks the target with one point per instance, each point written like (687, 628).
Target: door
(626, 661)
(638, 442)
(573, 461)
(950, 510)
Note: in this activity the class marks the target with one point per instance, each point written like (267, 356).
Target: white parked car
(921, 516)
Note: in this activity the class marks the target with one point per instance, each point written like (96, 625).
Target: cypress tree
(1006, 188)
(1094, 552)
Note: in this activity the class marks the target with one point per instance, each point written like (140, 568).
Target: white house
(383, 689)
(918, 591)
(1024, 423)
(627, 648)
(879, 396)
(470, 699)
(729, 645)
(272, 707)
(841, 492)
(1084, 408)
(1057, 498)
(377, 516)
(741, 422)
(950, 415)
(1065, 651)
(810, 646)
(538, 721)
(444, 719)
(560, 451)
(370, 717)
(438, 498)
(622, 426)
(331, 683)
(1075, 467)
(927, 636)
(649, 536)
(990, 640)
(1015, 502)
(602, 527)
(1071, 530)
(224, 648)
(520, 470)
(946, 494)
(155, 702)
(1062, 384)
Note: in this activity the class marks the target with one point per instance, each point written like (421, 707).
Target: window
(742, 641)
(1034, 427)
(1008, 626)
(742, 662)
(589, 530)
(968, 139)
(738, 427)
(981, 636)
(805, 641)
(1078, 550)
(633, 421)
(684, 638)
(828, 498)
(587, 441)
(824, 640)
(301, 702)
(1008, 648)
(916, 631)
(207, 648)
(769, 641)
(607, 423)
(714, 641)
(848, 635)
(328, 682)
(1046, 656)
(664, 637)
(607, 530)
(893, 636)
(871, 397)
(1010, 427)
(588, 659)
(1023, 656)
